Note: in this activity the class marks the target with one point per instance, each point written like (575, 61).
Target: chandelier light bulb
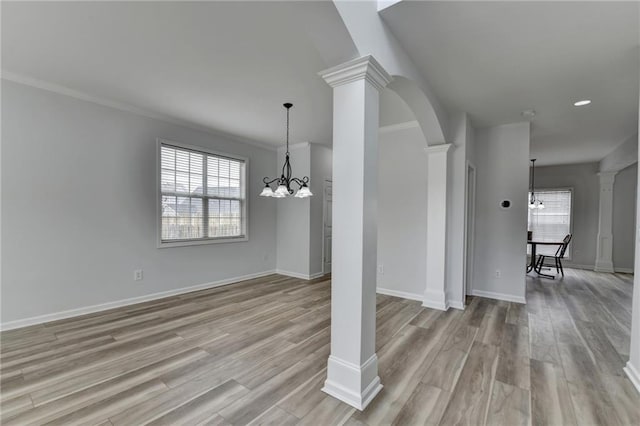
(267, 192)
(281, 191)
(304, 192)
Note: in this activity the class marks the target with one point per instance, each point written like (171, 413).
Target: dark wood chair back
(563, 248)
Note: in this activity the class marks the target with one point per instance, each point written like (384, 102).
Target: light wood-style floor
(256, 352)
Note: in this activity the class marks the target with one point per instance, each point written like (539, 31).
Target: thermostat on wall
(505, 204)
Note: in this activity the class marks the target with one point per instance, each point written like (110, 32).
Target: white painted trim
(569, 265)
(351, 375)
(633, 375)
(455, 304)
(10, 325)
(328, 181)
(363, 68)
(122, 106)
(443, 147)
(401, 294)
(431, 304)
(400, 126)
(498, 296)
(469, 231)
(299, 275)
(244, 199)
(435, 300)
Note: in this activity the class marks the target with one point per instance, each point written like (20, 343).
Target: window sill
(185, 243)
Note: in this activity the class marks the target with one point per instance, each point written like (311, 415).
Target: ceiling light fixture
(528, 113)
(285, 180)
(534, 202)
(582, 102)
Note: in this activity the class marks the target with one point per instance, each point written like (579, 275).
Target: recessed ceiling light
(582, 102)
(528, 113)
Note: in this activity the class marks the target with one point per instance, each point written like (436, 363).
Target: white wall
(321, 169)
(624, 203)
(293, 216)
(300, 220)
(502, 157)
(79, 207)
(583, 178)
(402, 212)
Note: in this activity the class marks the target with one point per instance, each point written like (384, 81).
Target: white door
(327, 226)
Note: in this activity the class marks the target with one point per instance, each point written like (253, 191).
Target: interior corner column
(604, 248)
(435, 295)
(352, 369)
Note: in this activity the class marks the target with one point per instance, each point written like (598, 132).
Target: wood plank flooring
(255, 353)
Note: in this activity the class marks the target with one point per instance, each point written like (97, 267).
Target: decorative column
(633, 365)
(352, 369)
(604, 248)
(435, 295)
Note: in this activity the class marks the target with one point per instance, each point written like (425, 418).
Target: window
(202, 196)
(553, 222)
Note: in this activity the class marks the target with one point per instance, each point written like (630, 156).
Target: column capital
(440, 148)
(607, 178)
(364, 68)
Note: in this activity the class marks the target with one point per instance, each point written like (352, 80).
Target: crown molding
(364, 68)
(122, 106)
(443, 147)
(400, 126)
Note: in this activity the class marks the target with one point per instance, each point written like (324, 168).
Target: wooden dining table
(532, 265)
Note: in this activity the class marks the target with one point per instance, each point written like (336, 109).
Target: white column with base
(604, 247)
(633, 365)
(352, 369)
(435, 295)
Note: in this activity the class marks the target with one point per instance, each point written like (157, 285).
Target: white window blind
(553, 222)
(202, 195)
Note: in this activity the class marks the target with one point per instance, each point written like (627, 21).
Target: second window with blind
(553, 222)
(202, 196)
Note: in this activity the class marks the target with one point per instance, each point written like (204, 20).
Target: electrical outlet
(381, 269)
(137, 275)
(498, 273)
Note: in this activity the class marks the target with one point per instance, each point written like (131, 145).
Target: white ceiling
(229, 66)
(496, 59)
(224, 66)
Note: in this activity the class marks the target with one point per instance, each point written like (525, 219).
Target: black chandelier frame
(285, 178)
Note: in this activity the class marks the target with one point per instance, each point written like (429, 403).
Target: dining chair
(557, 257)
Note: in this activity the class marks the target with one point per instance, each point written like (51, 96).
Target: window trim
(560, 188)
(200, 241)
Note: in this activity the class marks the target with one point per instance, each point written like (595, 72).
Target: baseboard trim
(633, 375)
(569, 265)
(299, 275)
(401, 294)
(592, 268)
(12, 325)
(498, 296)
(344, 381)
(456, 304)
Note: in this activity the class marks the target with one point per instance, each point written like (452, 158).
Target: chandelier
(285, 180)
(534, 201)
